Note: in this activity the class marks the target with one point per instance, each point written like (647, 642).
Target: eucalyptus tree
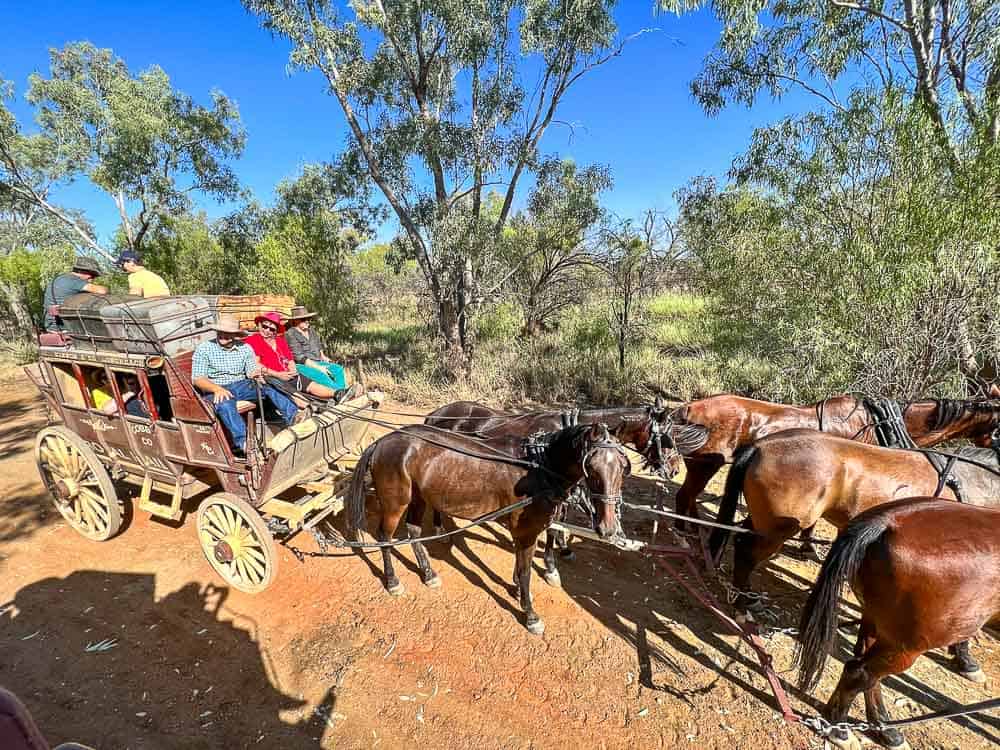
(447, 100)
(635, 257)
(946, 53)
(134, 137)
(550, 243)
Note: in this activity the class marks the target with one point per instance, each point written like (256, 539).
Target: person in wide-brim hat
(300, 312)
(312, 363)
(80, 278)
(228, 324)
(225, 372)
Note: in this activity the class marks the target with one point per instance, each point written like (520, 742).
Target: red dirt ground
(326, 659)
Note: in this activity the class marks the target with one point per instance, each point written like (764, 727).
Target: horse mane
(689, 436)
(949, 410)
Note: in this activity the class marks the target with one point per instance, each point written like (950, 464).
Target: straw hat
(299, 312)
(228, 324)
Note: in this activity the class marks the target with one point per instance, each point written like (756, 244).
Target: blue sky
(635, 114)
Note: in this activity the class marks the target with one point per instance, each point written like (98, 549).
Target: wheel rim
(234, 546)
(76, 487)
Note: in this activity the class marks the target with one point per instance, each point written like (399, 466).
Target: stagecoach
(168, 441)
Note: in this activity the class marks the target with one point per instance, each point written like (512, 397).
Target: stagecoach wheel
(79, 483)
(236, 542)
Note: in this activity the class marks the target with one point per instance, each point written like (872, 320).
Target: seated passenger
(271, 348)
(225, 370)
(141, 281)
(307, 349)
(105, 401)
(79, 279)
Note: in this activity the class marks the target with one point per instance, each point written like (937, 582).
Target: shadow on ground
(160, 673)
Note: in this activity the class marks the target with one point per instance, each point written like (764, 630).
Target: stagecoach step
(171, 512)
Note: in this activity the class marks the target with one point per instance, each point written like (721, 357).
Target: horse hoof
(743, 617)
(553, 578)
(535, 627)
(977, 676)
(567, 554)
(845, 739)
(396, 589)
(434, 582)
(893, 741)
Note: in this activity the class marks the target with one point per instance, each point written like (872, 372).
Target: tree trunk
(451, 327)
(967, 361)
(14, 298)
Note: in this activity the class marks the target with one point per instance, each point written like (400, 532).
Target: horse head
(605, 466)
(656, 443)
(669, 439)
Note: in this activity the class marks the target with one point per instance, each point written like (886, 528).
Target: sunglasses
(268, 326)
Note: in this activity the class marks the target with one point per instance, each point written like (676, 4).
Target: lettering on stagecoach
(157, 463)
(103, 357)
(203, 429)
(122, 454)
(148, 429)
(98, 425)
(208, 449)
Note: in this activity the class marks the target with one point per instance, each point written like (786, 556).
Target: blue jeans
(246, 390)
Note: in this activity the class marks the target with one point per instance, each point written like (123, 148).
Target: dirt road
(326, 659)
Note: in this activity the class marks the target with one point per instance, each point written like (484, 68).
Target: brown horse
(791, 479)
(650, 430)
(467, 478)
(735, 422)
(927, 574)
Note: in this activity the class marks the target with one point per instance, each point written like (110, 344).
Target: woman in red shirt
(276, 358)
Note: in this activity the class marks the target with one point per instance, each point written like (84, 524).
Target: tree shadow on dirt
(98, 659)
(602, 581)
(25, 510)
(19, 438)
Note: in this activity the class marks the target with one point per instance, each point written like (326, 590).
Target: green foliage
(848, 257)
(147, 146)
(545, 244)
(439, 108)
(185, 251)
(502, 322)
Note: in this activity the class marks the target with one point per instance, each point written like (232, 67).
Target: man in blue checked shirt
(224, 370)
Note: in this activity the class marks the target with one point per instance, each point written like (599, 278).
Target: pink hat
(273, 317)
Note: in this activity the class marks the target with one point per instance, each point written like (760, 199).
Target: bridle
(603, 497)
(657, 433)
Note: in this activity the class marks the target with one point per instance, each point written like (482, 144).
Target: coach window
(159, 392)
(102, 395)
(67, 381)
(132, 393)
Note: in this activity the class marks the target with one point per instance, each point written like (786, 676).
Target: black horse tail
(731, 497)
(357, 520)
(818, 624)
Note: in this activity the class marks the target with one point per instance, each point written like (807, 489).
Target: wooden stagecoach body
(288, 482)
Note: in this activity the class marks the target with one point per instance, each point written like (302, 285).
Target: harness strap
(327, 541)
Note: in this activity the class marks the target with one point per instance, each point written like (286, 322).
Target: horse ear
(994, 391)
(595, 431)
(658, 403)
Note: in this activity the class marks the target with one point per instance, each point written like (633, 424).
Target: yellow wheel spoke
(255, 567)
(227, 519)
(96, 502)
(218, 520)
(255, 554)
(242, 571)
(62, 453)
